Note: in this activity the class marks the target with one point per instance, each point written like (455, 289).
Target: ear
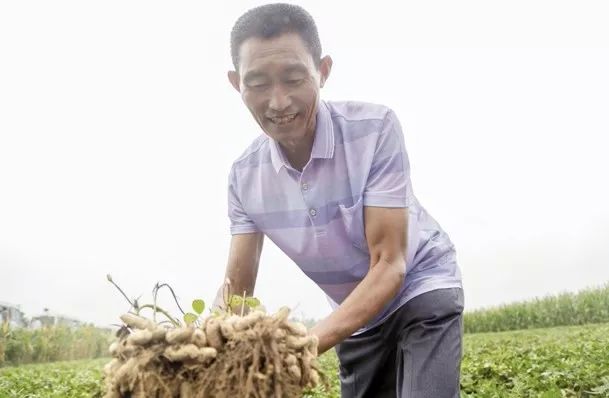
(325, 66)
(233, 78)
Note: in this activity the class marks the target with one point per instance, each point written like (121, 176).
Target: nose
(280, 99)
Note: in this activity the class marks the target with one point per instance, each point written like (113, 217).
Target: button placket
(304, 189)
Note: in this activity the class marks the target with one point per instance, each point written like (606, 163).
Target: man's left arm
(386, 235)
(386, 200)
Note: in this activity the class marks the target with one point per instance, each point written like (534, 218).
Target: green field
(543, 363)
(581, 308)
(69, 379)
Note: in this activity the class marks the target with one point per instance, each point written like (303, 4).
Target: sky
(118, 128)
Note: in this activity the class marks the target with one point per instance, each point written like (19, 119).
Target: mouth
(283, 120)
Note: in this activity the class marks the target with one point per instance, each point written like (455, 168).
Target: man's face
(279, 83)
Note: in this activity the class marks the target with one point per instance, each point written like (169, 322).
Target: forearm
(242, 267)
(376, 290)
(242, 278)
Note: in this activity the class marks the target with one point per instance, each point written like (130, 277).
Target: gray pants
(415, 353)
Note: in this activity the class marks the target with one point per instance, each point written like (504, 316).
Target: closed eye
(258, 85)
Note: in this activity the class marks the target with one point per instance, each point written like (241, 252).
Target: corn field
(585, 307)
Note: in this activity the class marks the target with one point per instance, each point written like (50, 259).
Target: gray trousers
(415, 353)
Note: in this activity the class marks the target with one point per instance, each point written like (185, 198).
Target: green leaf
(252, 302)
(260, 308)
(190, 318)
(235, 300)
(198, 305)
(553, 393)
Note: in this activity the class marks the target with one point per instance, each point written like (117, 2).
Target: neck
(298, 153)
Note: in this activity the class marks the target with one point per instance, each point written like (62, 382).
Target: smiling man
(329, 183)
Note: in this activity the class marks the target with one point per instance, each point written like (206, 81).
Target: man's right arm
(242, 266)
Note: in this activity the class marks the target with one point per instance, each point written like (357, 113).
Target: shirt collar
(323, 143)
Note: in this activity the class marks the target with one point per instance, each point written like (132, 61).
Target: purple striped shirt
(316, 216)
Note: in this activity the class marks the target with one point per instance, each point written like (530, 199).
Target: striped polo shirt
(315, 216)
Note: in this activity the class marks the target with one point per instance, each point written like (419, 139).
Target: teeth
(283, 120)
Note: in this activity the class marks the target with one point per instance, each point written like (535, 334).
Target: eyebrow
(249, 76)
(295, 68)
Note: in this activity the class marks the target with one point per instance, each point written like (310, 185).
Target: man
(329, 183)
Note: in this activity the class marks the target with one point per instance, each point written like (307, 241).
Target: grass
(542, 363)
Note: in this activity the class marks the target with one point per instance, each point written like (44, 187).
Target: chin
(279, 133)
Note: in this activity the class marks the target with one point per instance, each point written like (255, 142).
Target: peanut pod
(137, 322)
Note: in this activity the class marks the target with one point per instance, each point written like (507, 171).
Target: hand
(221, 296)
(325, 340)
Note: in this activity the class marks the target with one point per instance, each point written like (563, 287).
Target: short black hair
(272, 20)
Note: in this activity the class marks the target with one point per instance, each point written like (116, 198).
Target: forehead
(260, 55)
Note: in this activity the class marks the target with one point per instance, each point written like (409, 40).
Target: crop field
(542, 363)
(21, 346)
(69, 379)
(581, 308)
(570, 361)
(552, 347)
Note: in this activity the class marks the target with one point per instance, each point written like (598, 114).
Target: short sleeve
(388, 183)
(240, 223)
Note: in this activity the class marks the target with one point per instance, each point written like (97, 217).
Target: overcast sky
(118, 128)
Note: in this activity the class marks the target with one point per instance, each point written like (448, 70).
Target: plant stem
(123, 293)
(243, 303)
(155, 292)
(162, 311)
(173, 294)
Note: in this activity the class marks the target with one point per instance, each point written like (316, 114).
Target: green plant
(585, 307)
